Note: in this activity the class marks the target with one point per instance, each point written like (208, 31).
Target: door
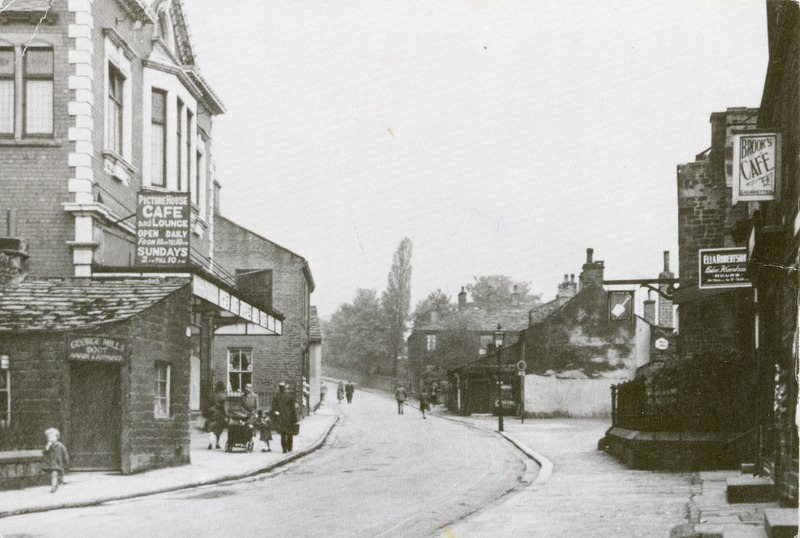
(95, 409)
(482, 395)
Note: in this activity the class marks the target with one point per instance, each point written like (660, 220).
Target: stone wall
(551, 396)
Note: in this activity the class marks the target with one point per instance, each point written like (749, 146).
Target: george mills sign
(162, 228)
(756, 166)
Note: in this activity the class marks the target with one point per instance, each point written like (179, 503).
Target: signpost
(756, 166)
(521, 367)
(723, 268)
(162, 228)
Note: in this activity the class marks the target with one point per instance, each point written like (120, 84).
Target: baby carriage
(240, 434)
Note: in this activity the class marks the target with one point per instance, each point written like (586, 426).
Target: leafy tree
(396, 301)
(355, 336)
(497, 289)
(436, 301)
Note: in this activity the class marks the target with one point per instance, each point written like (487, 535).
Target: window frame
(167, 396)
(163, 123)
(27, 77)
(115, 72)
(240, 372)
(179, 131)
(12, 78)
(5, 397)
(430, 342)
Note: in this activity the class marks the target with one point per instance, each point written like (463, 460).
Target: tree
(497, 289)
(396, 301)
(355, 336)
(436, 301)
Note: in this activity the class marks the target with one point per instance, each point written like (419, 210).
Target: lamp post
(498, 346)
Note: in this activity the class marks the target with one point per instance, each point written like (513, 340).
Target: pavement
(207, 467)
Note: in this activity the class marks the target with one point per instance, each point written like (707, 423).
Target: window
(486, 339)
(163, 389)
(7, 92)
(114, 121)
(188, 148)
(38, 88)
(179, 138)
(5, 398)
(158, 139)
(240, 369)
(198, 184)
(431, 342)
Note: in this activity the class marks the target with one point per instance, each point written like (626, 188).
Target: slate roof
(314, 331)
(70, 303)
(479, 317)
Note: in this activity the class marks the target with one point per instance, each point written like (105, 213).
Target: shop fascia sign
(214, 294)
(723, 268)
(97, 349)
(756, 166)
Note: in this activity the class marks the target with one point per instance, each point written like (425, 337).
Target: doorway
(95, 416)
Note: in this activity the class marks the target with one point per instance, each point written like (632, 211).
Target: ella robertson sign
(162, 228)
(723, 268)
(756, 166)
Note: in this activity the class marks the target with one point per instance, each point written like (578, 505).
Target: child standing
(56, 458)
(265, 429)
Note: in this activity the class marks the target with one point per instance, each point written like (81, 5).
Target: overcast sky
(502, 137)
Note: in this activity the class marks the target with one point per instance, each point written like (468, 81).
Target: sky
(501, 137)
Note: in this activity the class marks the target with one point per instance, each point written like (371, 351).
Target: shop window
(158, 139)
(114, 110)
(240, 369)
(431, 342)
(38, 88)
(163, 389)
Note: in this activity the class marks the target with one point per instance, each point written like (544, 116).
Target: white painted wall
(571, 397)
(315, 372)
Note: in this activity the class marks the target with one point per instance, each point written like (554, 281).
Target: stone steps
(750, 489)
(781, 522)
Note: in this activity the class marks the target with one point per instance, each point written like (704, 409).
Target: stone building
(101, 104)
(284, 280)
(774, 229)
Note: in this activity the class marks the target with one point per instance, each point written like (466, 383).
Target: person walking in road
(216, 415)
(340, 392)
(400, 395)
(285, 417)
(349, 390)
(424, 402)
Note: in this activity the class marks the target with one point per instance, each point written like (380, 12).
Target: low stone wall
(675, 451)
(578, 398)
(21, 468)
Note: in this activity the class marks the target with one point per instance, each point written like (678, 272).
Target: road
(381, 474)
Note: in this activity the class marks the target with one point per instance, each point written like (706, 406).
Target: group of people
(400, 394)
(343, 391)
(245, 408)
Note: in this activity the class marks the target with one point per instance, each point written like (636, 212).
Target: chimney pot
(462, 298)
(566, 277)
(589, 255)
(666, 261)
(572, 278)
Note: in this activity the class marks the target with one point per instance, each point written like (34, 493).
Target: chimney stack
(592, 274)
(650, 310)
(462, 298)
(665, 306)
(434, 317)
(13, 254)
(566, 290)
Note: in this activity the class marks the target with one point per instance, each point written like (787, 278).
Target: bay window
(158, 139)
(114, 109)
(179, 139)
(38, 88)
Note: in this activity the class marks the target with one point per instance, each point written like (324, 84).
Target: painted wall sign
(97, 348)
(162, 228)
(723, 268)
(756, 166)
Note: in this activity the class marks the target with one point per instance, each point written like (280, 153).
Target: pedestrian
(434, 394)
(264, 427)
(56, 458)
(285, 417)
(250, 403)
(400, 395)
(424, 403)
(340, 392)
(349, 390)
(216, 415)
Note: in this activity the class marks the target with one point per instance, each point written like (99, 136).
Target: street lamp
(498, 347)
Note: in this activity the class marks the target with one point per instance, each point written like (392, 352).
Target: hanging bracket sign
(756, 166)
(723, 268)
(162, 228)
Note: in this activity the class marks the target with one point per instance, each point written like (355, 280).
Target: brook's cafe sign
(162, 228)
(723, 268)
(756, 166)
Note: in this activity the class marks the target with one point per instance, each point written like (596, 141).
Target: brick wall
(275, 358)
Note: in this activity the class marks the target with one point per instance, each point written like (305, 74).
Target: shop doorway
(95, 416)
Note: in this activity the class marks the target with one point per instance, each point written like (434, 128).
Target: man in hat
(285, 416)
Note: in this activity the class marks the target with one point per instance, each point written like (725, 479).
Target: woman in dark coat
(216, 415)
(284, 417)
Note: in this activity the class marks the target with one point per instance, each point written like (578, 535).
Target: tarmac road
(381, 475)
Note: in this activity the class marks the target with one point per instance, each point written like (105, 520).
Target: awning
(238, 307)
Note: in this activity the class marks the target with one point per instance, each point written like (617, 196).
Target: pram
(240, 434)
